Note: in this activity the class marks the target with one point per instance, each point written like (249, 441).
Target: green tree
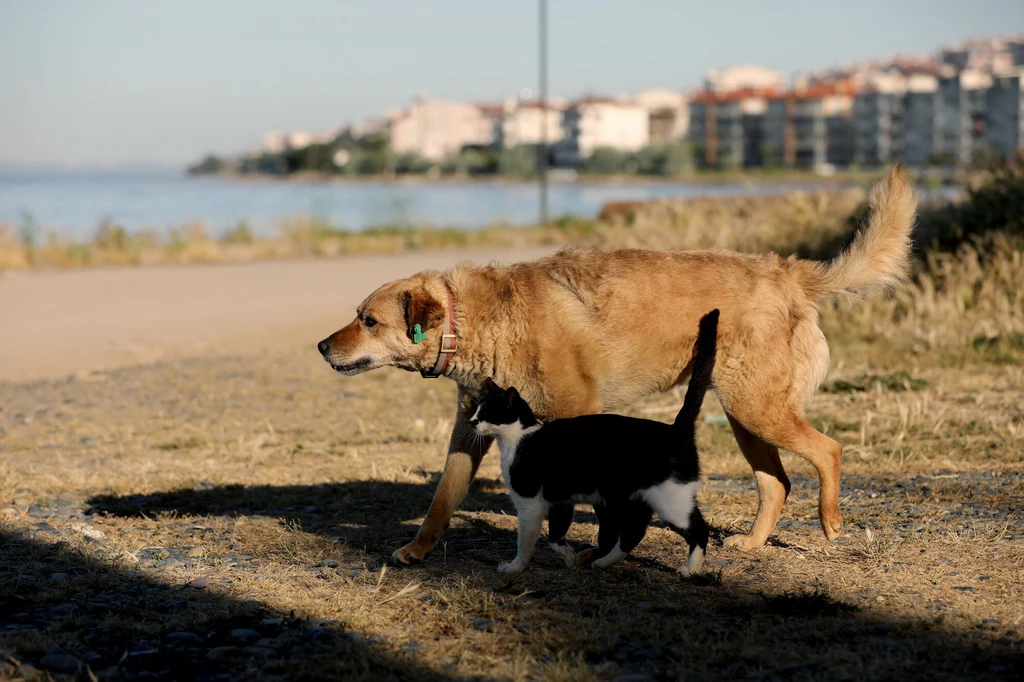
(519, 161)
(605, 161)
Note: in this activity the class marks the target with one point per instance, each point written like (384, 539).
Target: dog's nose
(323, 348)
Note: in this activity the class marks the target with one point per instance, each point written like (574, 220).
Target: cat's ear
(511, 394)
(490, 387)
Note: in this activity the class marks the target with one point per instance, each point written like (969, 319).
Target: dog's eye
(369, 322)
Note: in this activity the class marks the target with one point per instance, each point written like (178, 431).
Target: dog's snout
(323, 348)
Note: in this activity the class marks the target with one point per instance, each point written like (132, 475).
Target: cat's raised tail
(703, 365)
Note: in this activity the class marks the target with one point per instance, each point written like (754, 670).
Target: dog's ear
(511, 394)
(420, 309)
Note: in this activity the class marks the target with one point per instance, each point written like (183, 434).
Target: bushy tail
(703, 365)
(879, 255)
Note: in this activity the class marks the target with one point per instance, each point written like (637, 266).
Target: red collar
(449, 343)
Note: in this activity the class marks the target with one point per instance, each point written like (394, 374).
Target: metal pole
(542, 152)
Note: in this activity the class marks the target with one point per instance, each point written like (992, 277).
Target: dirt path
(55, 323)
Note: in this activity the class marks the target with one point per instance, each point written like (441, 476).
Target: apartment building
(1005, 113)
(530, 123)
(878, 115)
(960, 115)
(437, 128)
(920, 119)
(595, 122)
(667, 114)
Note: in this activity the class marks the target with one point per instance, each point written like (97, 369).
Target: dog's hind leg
(559, 519)
(772, 486)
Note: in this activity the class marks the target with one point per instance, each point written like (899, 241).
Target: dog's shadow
(374, 513)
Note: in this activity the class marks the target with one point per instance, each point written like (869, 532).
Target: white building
(743, 76)
(523, 122)
(595, 122)
(437, 128)
(667, 111)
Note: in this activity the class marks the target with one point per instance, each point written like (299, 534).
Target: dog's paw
(742, 542)
(831, 523)
(409, 555)
(510, 567)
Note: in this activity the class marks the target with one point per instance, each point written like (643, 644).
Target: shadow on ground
(79, 618)
(639, 618)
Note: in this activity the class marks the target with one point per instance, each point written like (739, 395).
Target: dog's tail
(879, 255)
(703, 365)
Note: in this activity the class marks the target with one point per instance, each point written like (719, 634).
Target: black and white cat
(626, 467)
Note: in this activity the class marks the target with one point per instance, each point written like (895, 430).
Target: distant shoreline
(711, 179)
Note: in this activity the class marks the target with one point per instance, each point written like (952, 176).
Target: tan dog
(585, 331)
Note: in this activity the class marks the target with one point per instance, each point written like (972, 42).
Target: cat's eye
(370, 322)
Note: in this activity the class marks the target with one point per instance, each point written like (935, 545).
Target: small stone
(412, 646)
(483, 624)
(273, 622)
(59, 577)
(991, 621)
(166, 564)
(38, 512)
(59, 660)
(524, 627)
(880, 598)
(642, 606)
(195, 552)
(183, 638)
(328, 563)
(220, 653)
(245, 635)
(963, 588)
(446, 660)
(309, 509)
(200, 583)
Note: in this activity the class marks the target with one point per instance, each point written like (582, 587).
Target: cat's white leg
(565, 551)
(532, 512)
(612, 557)
(695, 562)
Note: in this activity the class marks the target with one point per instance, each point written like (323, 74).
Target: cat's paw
(510, 567)
(567, 554)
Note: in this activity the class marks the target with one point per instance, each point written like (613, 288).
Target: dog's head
(384, 334)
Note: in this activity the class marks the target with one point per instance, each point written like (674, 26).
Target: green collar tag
(417, 334)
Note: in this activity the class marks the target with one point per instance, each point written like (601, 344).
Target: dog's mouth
(353, 367)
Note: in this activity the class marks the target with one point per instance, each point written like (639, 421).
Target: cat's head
(501, 407)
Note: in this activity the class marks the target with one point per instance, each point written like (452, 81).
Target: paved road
(55, 323)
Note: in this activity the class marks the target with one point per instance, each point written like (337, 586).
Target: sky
(102, 83)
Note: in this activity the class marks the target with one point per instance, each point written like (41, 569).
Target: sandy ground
(55, 323)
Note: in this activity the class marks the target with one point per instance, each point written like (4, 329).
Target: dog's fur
(584, 331)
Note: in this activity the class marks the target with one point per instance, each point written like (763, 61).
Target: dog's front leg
(465, 450)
